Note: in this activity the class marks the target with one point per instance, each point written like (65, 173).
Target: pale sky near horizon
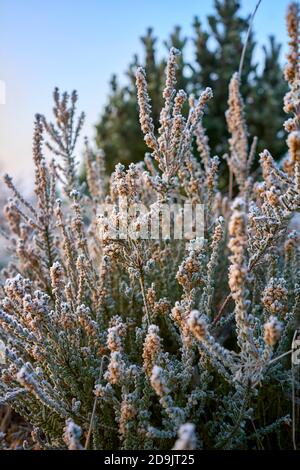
(80, 44)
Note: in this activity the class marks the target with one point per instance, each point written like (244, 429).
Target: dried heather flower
(293, 142)
(187, 439)
(152, 348)
(56, 274)
(116, 368)
(238, 161)
(128, 413)
(158, 381)
(275, 296)
(115, 334)
(145, 109)
(189, 272)
(72, 435)
(238, 275)
(237, 245)
(171, 74)
(133, 379)
(292, 19)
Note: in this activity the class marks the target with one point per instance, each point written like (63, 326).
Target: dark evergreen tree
(217, 56)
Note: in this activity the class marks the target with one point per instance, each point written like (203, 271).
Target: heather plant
(119, 341)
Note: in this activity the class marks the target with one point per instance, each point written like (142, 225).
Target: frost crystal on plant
(126, 342)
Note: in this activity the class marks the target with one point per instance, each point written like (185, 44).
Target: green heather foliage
(132, 343)
(217, 51)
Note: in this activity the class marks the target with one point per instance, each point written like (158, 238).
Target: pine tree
(217, 51)
(216, 64)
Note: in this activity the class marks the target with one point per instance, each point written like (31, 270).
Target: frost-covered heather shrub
(156, 344)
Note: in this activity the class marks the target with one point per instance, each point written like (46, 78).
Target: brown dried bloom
(272, 331)
(275, 296)
(56, 274)
(291, 242)
(190, 271)
(12, 216)
(88, 325)
(179, 314)
(271, 173)
(128, 412)
(187, 439)
(171, 74)
(145, 109)
(115, 334)
(293, 142)
(115, 369)
(158, 381)
(179, 101)
(237, 245)
(152, 348)
(291, 71)
(238, 161)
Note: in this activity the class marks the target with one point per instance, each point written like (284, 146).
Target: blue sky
(79, 44)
